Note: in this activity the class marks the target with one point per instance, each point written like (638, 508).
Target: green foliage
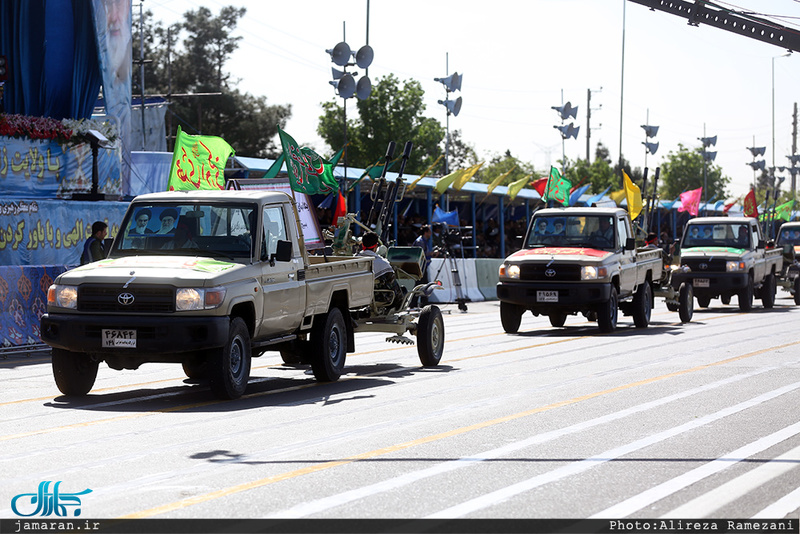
(391, 113)
(502, 164)
(683, 171)
(246, 122)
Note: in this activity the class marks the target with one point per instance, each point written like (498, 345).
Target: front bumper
(155, 335)
(718, 283)
(572, 297)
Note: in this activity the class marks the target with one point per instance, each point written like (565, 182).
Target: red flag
(341, 208)
(728, 207)
(690, 201)
(539, 186)
(750, 207)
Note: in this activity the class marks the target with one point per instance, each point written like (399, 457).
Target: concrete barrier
(478, 278)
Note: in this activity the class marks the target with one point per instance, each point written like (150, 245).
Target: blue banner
(52, 232)
(46, 169)
(23, 300)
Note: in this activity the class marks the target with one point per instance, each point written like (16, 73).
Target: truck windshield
(717, 235)
(789, 236)
(217, 230)
(591, 231)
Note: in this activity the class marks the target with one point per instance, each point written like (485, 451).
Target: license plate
(701, 282)
(547, 296)
(119, 338)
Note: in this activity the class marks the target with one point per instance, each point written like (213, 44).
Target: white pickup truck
(727, 256)
(222, 278)
(579, 260)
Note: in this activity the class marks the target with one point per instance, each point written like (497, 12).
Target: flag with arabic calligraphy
(198, 162)
(308, 172)
(557, 188)
(750, 208)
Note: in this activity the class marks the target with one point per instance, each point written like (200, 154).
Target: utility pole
(588, 123)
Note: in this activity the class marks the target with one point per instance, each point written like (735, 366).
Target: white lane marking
(312, 507)
(782, 507)
(706, 504)
(503, 494)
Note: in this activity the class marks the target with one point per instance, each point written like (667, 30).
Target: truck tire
(229, 367)
(768, 291)
(685, 302)
(642, 305)
(430, 336)
(328, 346)
(703, 302)
(75, 372)
(196, 367)
(558, 319)
(608, 312)
(797, 291)
(510, 317)
(746, 296)
(295, 352)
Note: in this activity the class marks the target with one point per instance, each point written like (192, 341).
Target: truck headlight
(191, 298)
(62, 296)
(509, 271)
(735, 266)
(593, 272)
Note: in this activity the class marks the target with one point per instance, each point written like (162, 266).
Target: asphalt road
(692, 421)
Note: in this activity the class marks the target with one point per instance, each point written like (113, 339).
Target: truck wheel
(558, 319)
(703, 302)
(797, 291)
(685, 302)
(510, 317)
(607, 314)
(430, 336)
(329, 346)
(74, 372)
(295, 352)
(746, 296)
(196, 367)
(768, 292)
(642, 305)
(229, 367)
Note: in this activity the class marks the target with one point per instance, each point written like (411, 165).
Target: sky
(517, 58)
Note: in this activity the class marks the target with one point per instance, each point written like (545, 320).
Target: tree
(599, 173)
(391, 113)
(246, 122)
(460, 154)
(683, 171)
(502, 164)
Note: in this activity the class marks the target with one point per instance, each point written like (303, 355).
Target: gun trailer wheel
(430, 336)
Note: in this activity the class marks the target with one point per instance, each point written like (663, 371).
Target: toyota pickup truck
(207, 279)
(579, 260)
(726, 256)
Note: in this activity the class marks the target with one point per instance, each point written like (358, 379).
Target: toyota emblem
(703, 266)
(126, 299)
(550, 273)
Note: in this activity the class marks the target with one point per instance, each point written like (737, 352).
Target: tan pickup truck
(579, 260)
(206, 279)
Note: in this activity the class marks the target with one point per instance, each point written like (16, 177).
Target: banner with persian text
(52, 232)
(46, 169)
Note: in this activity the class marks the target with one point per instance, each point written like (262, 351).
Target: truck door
(759, 266)
(284, 294)
(627, 262)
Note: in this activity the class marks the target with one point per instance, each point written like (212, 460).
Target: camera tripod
(449, 259)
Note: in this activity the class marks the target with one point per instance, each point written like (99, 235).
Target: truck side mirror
(630, 244)
(283, 251)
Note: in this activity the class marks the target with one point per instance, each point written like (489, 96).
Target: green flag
(308, 171)
(198, 162)
(557, 188)
(336, 157)
(273, 171)
(784, 211)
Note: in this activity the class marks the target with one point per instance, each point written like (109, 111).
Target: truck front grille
(551, 273)
(101, 298)
(706, 265)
